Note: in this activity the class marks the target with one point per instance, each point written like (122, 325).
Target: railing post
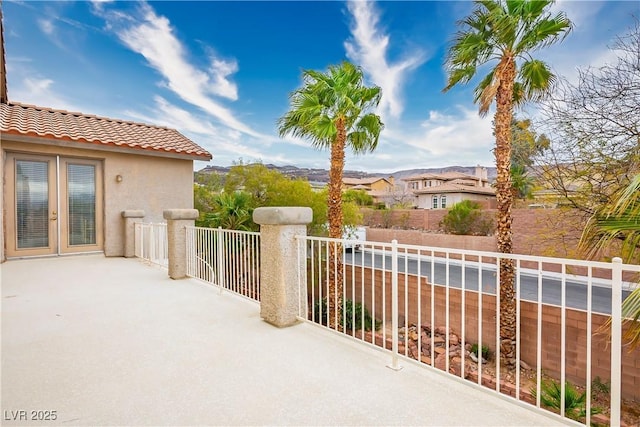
(177, 222)
(394, 306)
(616, 339)
(280, 295)
(130, 218)
(219, 258)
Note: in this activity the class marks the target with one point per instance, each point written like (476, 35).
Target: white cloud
(443, 139)
(39, 91)
(153, 37)
(172, 116)
(46, 26)
(454, 135)
(368, 48)
(222, 86)
(581, 13)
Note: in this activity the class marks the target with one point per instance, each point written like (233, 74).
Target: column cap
(180, 214)
(282, 215)
(130, 213)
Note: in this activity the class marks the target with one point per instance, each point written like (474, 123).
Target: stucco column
(177, 221)
(280, 296)
(130, 219)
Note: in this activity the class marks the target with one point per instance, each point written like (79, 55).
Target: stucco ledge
(133, 213)
(282, 215)
(178, 214)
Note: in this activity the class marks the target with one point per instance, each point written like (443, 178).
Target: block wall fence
(576, 325)
(542, 232)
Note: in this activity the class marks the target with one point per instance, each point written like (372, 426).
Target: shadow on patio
(112, 341)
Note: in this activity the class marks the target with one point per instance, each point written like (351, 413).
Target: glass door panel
(81, 205)
(39, 220)
(32, 204)
(81, 202)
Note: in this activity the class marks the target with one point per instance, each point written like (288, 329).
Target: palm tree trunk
(334, 299)
(504, 196)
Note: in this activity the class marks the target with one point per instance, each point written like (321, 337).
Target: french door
(54, 205)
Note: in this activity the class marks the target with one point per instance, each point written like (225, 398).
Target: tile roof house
(69, 176)
(381, 189)
(441, 191)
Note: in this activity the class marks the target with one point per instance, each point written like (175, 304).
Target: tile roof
(446, 176)
(42, 122)
(362, 181)
(456, 188)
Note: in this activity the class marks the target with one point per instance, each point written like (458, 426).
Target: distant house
(380, 189)
(69, 176)
(441, 191)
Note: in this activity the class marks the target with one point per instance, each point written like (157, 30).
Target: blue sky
(221, 72)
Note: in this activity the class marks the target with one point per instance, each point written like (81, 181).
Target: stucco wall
(2, 156)
(412, 237)
(151, 184)
(425, 201)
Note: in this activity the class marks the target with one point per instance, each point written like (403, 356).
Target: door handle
(54, 216)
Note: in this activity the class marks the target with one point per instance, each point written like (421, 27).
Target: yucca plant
(575, 403)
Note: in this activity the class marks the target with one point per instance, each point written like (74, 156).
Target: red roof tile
(29, 120)
(456, 188)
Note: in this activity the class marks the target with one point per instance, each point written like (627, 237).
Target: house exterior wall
(425, 201)
(2, 156)
(381, 185)
(149, 183)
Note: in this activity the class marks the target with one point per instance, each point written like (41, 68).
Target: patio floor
(111, 341)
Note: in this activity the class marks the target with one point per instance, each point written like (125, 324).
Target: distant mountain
(322, 175)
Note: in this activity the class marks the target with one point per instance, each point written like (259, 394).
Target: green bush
(347, 320)
(466, 218)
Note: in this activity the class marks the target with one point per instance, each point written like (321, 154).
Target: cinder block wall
(543, 232)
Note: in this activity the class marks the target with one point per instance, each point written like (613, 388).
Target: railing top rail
(225, 230)
(483, 254)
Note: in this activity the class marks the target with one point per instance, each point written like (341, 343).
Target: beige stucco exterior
(425, 201)
(152, 183)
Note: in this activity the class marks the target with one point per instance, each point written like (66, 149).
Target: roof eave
(98, 146)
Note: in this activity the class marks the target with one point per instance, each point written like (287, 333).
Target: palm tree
(521, 183)
(333, 110)
(231, 211)
(619, 222)
(506, 32)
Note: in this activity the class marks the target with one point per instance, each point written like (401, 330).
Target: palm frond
(325, 97)
(499, 29)
(631, 312)
(544, 32)
(536, 78)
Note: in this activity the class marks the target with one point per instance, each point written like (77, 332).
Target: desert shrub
(466, 218)
(347, 320)
(485, 351)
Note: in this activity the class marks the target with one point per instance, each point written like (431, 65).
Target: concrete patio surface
(111, 341)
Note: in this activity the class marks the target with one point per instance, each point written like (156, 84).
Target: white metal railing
(151, 243)
(434, 305)
(229, 259)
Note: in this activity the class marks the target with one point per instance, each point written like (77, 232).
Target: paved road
(576, 292)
